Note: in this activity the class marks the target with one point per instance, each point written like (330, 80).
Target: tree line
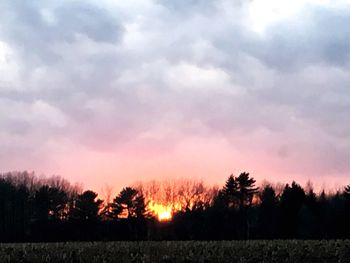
(51, 209)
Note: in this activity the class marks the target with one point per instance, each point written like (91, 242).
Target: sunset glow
(163, 212)
(145, 126)
(164, 216)
(114, 91)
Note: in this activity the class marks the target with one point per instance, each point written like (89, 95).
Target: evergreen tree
(86, 207)
(292, 199)
(129, 203)
(246, 189)
(50, 203)
(267, 213)
(230, 192)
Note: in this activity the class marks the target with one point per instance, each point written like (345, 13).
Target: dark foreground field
(191, 251)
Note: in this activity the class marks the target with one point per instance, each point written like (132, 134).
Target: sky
(109, 92)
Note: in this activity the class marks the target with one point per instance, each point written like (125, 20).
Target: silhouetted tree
(346, 192)
(237, 195)
(193, 195)
(246, 189)
(86, 207)
(14, 210)
(267, 213)
(37, 209)
(130, 208)
(292, 200)
(323, 203)
(346, 210)
(230, 192)
(129, 203)
(50, 203)
(309, 215)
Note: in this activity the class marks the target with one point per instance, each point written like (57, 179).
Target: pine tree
(246, 189)
(230, 192)
(129, 203)
(86, 207)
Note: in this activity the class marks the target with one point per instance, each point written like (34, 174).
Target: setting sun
(161, 212)
(164, 216)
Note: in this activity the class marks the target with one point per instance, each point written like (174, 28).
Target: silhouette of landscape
(53, 210)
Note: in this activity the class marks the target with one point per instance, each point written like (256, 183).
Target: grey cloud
(23, 24)
(318, 36)
(190, 6)
(110, 78)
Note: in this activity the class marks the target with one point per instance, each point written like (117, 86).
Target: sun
(164, 216)
(161, 212)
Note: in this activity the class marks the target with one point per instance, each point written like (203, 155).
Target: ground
(179, 251)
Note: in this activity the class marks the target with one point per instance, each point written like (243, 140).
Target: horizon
(114, 190)
(111, 92)
(163, 200)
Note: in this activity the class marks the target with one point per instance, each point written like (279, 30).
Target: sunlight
(164, 216)
(162, 212)
(263, 13)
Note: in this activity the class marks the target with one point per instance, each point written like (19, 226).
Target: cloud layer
(111, 91)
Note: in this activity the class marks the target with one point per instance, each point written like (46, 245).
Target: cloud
(35, 28)
(143, 77)
(320, 39)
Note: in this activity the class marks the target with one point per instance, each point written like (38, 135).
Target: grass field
(186, 251)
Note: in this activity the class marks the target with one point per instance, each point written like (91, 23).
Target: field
(172, 251)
